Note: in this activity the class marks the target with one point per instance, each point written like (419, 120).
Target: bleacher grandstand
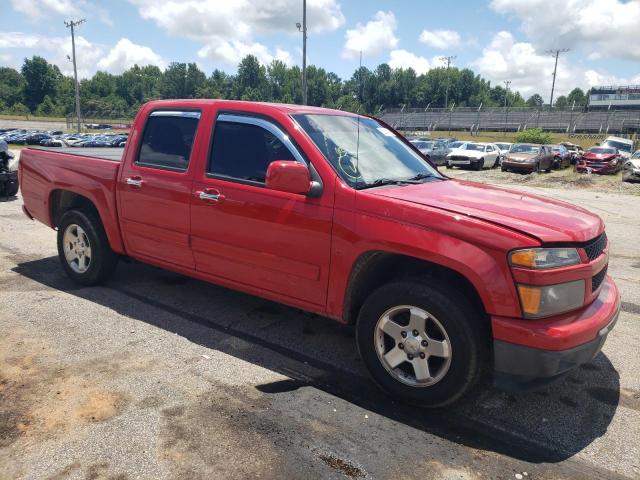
(576, 120)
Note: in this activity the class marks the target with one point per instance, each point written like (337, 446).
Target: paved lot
(155, 375)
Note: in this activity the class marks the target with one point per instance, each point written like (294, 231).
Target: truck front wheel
(422, 342)
(84, 249)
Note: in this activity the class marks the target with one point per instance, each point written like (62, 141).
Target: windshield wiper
(421, 176)
(386, 181)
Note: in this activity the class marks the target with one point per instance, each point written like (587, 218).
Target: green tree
(533, 135)
(535, 100)
(41, 79)
(12, 85)
(562, 102)
(251, 81)
(46, 107)
(577, 96)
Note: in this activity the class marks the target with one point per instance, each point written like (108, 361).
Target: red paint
(599, 162)
(300, 250)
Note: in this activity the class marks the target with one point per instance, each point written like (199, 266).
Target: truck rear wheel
(83, 248)
(421, 341)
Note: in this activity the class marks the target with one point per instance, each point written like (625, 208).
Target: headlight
(544, 301)
(543, 258)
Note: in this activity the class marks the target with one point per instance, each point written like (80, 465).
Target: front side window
(167, 140)
(243, 151)
(363, 152)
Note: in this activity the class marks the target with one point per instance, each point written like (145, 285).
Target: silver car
(437, 151)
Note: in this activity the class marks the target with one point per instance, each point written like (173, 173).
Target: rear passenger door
(155, 190)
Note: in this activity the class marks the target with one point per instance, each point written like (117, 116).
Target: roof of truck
(283, 107)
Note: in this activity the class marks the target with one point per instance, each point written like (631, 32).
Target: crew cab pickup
(338, 214)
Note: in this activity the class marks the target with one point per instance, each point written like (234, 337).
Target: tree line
(40, 88)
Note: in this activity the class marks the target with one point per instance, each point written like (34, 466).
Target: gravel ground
(155, 375)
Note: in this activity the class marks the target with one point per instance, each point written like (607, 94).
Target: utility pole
(446, 94)
(72, 24)
(555, 53)
(506, 95)
(303, 28)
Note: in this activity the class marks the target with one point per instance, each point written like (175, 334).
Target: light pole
(506, 95)
(555, 53)
(446, 92)
(303, 28)
(72, 24)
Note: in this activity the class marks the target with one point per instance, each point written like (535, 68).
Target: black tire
(448, 165)
(464, 327)
(103, 260)
(477, 166)
(503, 169)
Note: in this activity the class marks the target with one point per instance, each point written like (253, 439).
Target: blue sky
(499, 39)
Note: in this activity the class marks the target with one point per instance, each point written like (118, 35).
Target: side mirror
(288, 176)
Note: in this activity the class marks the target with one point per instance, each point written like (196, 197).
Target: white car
(474, 155)
(631, 172)
(504, 149)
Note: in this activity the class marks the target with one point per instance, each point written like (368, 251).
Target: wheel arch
(375, 268)
(63, 200)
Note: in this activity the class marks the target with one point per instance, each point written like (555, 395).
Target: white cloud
(7, 60)
(604, 28)
(87, 53)
(39, 9)
(125, 54)
(373, 38)
(441, 38)
(531, 71)
(404, 59)
(227, 29)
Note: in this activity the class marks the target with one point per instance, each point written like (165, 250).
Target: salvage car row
(61, 139)
(610, 157)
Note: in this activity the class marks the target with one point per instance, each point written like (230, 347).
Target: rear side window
(243, 151)
(167, 140)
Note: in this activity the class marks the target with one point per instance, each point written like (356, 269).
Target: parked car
(528, 158)
(576, 151)
(631, 171)
(474, 155)
(504, 148)
(443, 279)
(623, 145)
(600, 160)
(436, 151)
(456, 145)
(561, 156)
(8, 172)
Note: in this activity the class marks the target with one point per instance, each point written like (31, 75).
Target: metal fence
(570, 121)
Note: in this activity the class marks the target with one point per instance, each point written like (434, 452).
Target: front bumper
(584, 168)
(536, 352)
(520, 166)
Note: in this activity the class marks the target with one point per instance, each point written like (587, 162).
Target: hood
(524, 157)
(635, 162)
(467, 153)
(603, 157)
(543, 218)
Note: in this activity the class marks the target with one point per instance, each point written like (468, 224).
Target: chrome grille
(595, 247)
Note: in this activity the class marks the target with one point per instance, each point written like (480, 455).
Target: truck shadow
(549, 425)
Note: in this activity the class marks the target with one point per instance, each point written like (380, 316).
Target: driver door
(250, 235)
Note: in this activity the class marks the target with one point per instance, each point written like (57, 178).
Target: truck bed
(113, 154)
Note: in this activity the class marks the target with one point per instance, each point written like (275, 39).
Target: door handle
(134, 181)
(212, 196)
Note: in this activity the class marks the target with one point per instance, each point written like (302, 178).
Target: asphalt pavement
(155, 375)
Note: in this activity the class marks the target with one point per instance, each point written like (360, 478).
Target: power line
(555, 53)
(303, 28)
(448, 59)
(72, 24)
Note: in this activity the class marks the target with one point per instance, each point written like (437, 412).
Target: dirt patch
(41, 401)
(342, 466)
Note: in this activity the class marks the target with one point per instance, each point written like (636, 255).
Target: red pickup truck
(339, 215)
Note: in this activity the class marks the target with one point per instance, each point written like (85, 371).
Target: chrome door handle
(211, 197)
(134, 182)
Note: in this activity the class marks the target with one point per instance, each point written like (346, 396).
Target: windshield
(503, 146)
(456, 144)
(422, 144)
(524, 149)
(474, 146)
(636, 155)
(365, 153)
(619, 145)
(603, 151)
